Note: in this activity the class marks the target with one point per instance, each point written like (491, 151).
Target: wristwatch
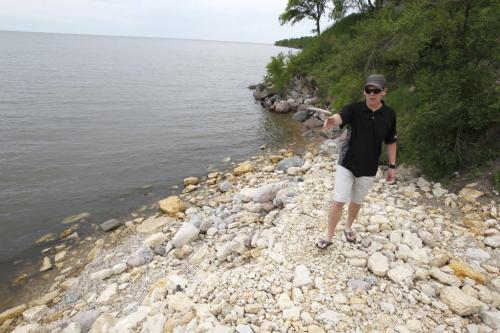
(392, 166)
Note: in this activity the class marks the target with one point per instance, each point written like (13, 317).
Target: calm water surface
(86, 122)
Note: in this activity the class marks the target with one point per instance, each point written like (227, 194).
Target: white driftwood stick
(315, 109)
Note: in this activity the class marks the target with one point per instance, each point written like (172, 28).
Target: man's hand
(332, 121)
(390, 175)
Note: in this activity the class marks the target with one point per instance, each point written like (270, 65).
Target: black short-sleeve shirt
(367, 130)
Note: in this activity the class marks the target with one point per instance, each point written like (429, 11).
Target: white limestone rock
(301, 276)
(459, 302)
(378, 264)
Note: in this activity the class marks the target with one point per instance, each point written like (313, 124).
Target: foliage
(496, 180)
(277, 73)
(298, 43)
(441, 60)
(298, 10)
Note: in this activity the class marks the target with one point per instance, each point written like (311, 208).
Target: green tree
(298, 10)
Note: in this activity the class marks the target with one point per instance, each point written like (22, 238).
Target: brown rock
(462, 270)
(275, 158)
(191, 181)
(469, 194)
(172, 205)
(12, 313)
(243, 168)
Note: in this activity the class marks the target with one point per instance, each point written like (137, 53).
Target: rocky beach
(235, 253)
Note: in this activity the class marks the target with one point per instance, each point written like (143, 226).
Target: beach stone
(44, 300)
(110, 225)
(420, 256)
(154, 324)
(285, 196)
(469, 194)
(268, 192)
(30, 328)
(292, 313)
(46, 238)
(156, 239)
(315, 329)
(244, 329)
(103, 324)
(301, 116)
(358, 284)
(119, 268)
(180, 302)
(246, 194)
(86, 319)
(330, 317)
(191, 181)
(12, 313)
(492, 241)
(172, 205)
(378, 264)
(154, 224)
(108, 295)
(60, 256)
(140, 257)
(491, 319)
(69, 283)
(186, 233)
(301, 276)
(34, 314)
(445, 278)
(253, 308)
(76, 218)
(225, 186)
(284, 301)
(282, 107)
(462, 270)
(477, 254)
(127, 323)
(243, 168)
(46, 264)
(102, 274)
(439, 259)
(73, 328)
(289, 162)
(401, 274)
(459, 302)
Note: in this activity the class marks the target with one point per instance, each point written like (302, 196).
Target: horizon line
(135, 36)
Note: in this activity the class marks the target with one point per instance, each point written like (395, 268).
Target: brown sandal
(350, 236)
(322, 244)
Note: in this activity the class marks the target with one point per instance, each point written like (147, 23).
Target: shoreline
(253, 224)
(25, 273)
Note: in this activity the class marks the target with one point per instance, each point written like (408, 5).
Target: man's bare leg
(334, 215)
(352, 214)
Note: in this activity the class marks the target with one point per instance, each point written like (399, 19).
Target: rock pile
(237, 254)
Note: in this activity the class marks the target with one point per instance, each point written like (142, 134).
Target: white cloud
(252, 21)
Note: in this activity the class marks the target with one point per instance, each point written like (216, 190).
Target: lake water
(103, 124)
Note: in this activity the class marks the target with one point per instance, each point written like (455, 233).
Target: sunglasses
(375, 91)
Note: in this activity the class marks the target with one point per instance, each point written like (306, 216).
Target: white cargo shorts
(348, 187)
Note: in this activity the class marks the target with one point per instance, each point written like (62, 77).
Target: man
(370, 123)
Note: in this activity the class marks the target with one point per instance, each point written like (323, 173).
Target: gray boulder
(267, 192)
(140, 257)
(301, 115)
(289, 162)
(185, 235)
(86, 319)
(110, 225)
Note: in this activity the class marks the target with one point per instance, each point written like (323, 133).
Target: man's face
(374, 95)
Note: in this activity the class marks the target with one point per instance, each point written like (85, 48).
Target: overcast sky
(225, 20)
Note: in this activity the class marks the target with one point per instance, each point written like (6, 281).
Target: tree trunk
(318, 17)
